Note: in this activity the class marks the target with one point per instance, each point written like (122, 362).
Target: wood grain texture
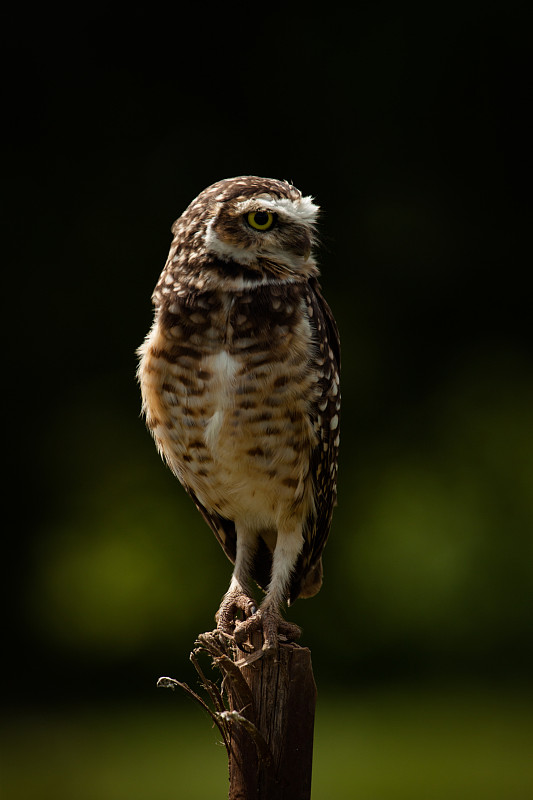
(283, 698)
(265, 710)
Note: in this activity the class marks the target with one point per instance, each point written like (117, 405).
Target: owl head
(244, 231)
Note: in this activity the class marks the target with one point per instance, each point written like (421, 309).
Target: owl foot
(234, 604)
(271, 624)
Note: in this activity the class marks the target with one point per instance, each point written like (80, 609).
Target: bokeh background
(408, 124)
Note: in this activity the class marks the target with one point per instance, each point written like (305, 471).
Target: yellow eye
(260, 220)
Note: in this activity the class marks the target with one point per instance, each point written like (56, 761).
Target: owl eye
(261, 220)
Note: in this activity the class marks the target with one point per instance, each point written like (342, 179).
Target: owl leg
(238, 599)
(268, 617)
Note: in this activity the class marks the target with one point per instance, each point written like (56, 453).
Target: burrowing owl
(240, 385)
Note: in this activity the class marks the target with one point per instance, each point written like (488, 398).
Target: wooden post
(265, 711)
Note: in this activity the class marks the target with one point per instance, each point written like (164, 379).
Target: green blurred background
(408, 126)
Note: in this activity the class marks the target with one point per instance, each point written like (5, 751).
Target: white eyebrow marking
(302, 210)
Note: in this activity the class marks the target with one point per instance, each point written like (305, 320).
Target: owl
(239, 378)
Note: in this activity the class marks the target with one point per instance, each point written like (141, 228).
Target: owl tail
(312, 582)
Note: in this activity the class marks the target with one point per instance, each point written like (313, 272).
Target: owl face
(244, 231)
(264, 226)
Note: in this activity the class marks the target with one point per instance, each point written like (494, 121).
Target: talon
(243, 644)
(232, 605)
(272, 626)
(244, 630)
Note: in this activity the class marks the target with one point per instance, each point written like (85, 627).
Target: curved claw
(272, 625)
(232, 605)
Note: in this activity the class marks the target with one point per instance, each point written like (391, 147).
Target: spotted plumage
(240, 385)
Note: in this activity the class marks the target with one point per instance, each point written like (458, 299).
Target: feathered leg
(268, 617)
(238, 598)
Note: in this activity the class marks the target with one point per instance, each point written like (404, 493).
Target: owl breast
(228, 390)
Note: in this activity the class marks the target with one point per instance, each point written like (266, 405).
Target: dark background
(408, 126)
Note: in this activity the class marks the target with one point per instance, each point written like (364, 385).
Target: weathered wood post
(265, 711)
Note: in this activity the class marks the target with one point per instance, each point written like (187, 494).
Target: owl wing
(224, 529)
(325, 417)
